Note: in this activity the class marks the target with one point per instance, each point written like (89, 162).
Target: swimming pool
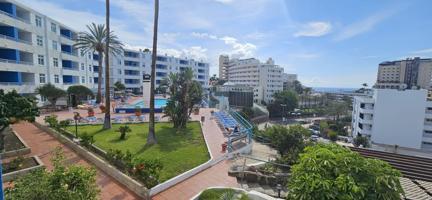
(159, 103)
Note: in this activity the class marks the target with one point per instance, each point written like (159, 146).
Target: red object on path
(224, 147)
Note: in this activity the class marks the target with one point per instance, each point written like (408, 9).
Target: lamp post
(279, 188)
(283, 112)
(76, 119)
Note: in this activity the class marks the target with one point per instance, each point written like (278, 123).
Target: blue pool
(130, 108)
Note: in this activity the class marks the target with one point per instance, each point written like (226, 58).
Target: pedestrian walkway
(42, 144)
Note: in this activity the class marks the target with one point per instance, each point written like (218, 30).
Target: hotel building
(265, 78)
(35, 50)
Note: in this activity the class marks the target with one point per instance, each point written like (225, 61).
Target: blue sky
(332, 43)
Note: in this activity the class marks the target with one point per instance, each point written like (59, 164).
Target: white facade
(289, 78)
(394, 117)
(130, 67)
(266, 78)
(35, 50)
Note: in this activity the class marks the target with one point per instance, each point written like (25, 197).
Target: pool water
(159, 103)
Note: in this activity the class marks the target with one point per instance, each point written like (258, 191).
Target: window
(119, 71)
(90, 68)
(82, 66)
(41, 60)
(54, 45)
(56, 79)
(53, 27)
(90, 79)
(42, 78)
(39, 40)
(82, 79)
(38, 21)
(55, 62)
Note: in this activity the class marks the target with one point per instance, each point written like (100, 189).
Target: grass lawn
(216, 193)
(178, 151)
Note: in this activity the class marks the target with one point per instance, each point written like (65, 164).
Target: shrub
(326, 172)
(16, 164)
(51, 121)
(332, 135)
(86, 139)
(123, 130)
(63, 124)
(359, 140)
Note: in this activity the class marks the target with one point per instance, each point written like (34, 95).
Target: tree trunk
(99, 89)
(107, 120)
(151, 138)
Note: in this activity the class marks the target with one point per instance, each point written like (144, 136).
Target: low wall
(16, 174)
(254, 195)
(101, 164)
(19, 152)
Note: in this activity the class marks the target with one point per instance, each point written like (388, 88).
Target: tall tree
(284, 102)
(51, 92)
(14, 107)
(94, 41)
(151, 138)
(107, 119)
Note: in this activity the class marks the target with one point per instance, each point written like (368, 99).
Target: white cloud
(364, 25)
(204, 35)
(239, 49)
(314, 29)
(422, 51)
(224, 1)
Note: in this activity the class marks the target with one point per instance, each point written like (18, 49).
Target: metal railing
(15, 17)
(70, 53)
(71, 68)
(15, 39)
(16, 83)
(15, 62)
(70, 38)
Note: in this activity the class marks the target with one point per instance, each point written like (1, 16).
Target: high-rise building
(223, 67)
(35, 50)
(266, 78)
(288, 79)
(403, 74)
(394, 117)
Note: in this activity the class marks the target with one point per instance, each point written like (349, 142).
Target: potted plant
(90, 112)
(102, 108)
(138, 111)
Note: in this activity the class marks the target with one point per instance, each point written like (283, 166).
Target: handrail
(17, 83)
(15, 39)
(15, 61)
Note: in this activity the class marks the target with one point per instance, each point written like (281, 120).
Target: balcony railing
(15, 17)
(71, 68)
(15, 39)
(70, 53)
(15, 62)
(70, 83)
(16, 83)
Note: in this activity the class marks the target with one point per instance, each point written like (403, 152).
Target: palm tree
(94, 41)
(107, 120)
(151, 138)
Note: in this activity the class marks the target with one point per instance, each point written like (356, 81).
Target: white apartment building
(394, 117)
(35, 50)
(130, 67)
(402, 74)
(266, 78)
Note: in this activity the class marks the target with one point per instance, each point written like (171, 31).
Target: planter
(14, 145)
(29, 164)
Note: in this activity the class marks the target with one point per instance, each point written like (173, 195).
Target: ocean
(333, 90)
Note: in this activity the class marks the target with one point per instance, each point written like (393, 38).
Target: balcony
(14, 34)
(201, 64)
(131, 63)
(130, 54)
(13, 56)
(161, 58)
(131, 73)
(184, 62)
(11, 10)
(132, 81)
(66, 33)
(11, 78)
(70, 65)
(201, 71)
(201, 77)
(70, 80)
(161, 74)
(160, 66)
(68, 49)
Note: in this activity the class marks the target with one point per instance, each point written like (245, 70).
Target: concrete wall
(399, 117)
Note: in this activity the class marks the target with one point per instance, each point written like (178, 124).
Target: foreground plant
(62, 183)
(334, 172)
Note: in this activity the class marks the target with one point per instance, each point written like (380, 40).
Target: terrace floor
(42, 144)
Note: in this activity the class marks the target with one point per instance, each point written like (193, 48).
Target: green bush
(222, 194)
(51, 121)
(86, 139)
(332, 135)
(329, 171)
(359, 140)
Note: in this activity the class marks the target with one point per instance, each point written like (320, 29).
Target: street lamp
(77, 117)
(279, 188)
(283, 112)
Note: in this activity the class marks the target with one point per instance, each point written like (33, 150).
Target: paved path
(216, 175)
(42, 144)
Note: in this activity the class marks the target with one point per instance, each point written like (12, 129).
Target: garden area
(222, 193)
(177, 151)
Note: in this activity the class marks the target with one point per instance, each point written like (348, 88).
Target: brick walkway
(216, 175)
(42, 144)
